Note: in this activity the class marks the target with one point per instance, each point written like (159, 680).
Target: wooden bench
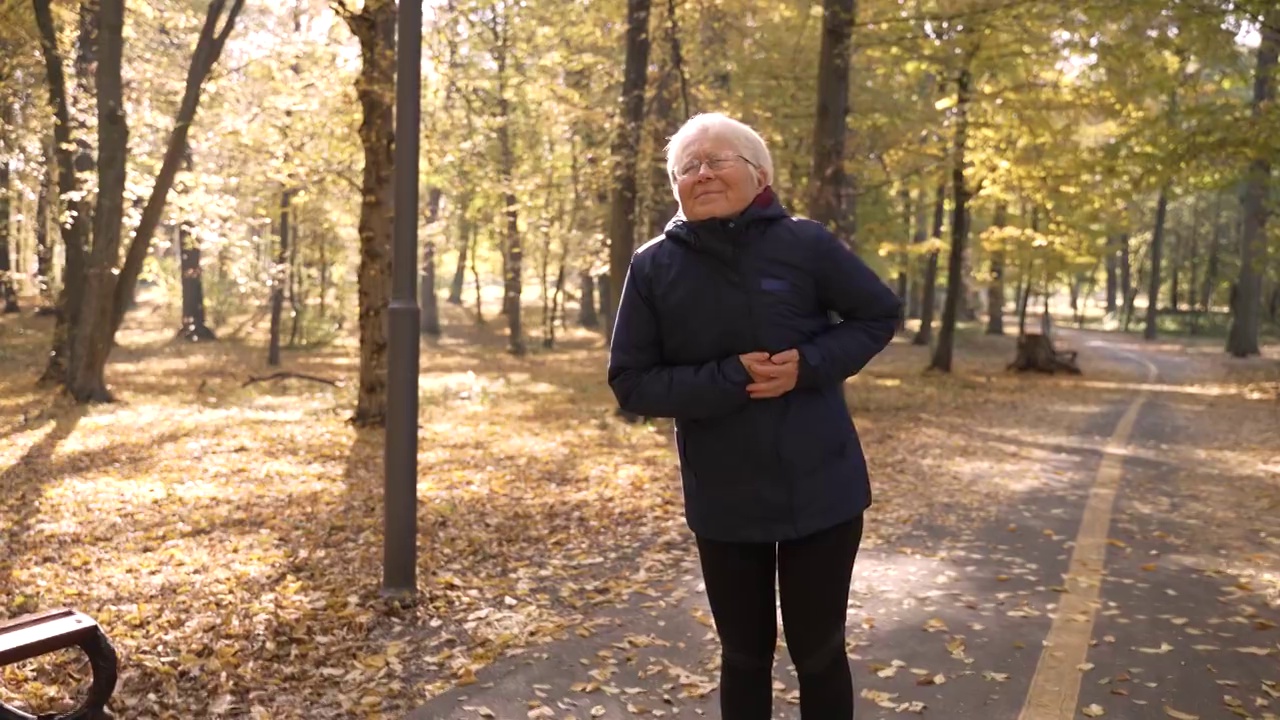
(30, 636)
(1037, 352)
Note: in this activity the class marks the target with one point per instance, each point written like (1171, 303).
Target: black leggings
(813, 574)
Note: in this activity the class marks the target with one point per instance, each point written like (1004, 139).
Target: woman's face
(713, 180)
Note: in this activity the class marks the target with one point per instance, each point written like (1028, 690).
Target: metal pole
(400, 542)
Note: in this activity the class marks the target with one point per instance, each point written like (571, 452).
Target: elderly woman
(725, 325)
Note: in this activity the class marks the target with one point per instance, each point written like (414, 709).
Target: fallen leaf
(1093, 710)
(935, 624)
(1176, 715)
(883, 699)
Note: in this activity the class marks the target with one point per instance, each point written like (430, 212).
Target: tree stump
(1036, 353)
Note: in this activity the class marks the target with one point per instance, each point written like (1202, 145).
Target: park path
(1128, 580)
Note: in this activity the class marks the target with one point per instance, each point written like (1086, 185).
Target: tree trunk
(1126, 275)
(662, 204)
(557, 299)
(475, 274)
(1157, 246)
(1190, 254)
(75, 234)
(8, 292)
(296, 275)
(1046, 320)
(193, 318)
(1074, 294)
(430, 304)
(1210, 280)
(1242, 338)
(1133, 291)
(916, 296)
(587, 316)
(677, 57)
(959, 228)
(827, 183)
(1027, 273)
(44, 249)
(464, 237)
(208, 49)
(91, 339)
(1092, 279)
(515, 254)
(279, 277)
(544, 256)
(107, 292)
(429, 318)
(1112, 269)
(375, 27)
(995, 286)
(929, 289)
(1024, 299)
(1036, 353)
(626, 149)
(904, 283)
(971, 298)
(604, 290)
(324, 274)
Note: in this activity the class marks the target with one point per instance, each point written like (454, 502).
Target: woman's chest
(711, 306)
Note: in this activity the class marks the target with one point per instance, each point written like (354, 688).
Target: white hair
(746, 141)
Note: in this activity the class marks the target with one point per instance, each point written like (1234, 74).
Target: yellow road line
(1055, 688)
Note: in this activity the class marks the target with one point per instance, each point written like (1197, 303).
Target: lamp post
(400, 533)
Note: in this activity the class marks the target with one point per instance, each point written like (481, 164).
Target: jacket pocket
(722, 453)
(816, 429)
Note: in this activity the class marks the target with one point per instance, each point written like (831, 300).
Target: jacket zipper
(748, 287)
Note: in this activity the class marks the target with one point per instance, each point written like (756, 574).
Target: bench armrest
(30, 636)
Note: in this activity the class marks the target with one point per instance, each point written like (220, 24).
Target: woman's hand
(774, 375)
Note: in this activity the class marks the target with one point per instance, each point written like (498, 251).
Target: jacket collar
(765, 206)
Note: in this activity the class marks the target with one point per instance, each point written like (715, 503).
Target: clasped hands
(772, 375)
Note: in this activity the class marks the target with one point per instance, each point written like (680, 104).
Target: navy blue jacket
(708, 291)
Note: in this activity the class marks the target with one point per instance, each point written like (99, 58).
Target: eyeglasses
(714, 164)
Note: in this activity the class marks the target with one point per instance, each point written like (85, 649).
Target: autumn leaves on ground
(228, 536)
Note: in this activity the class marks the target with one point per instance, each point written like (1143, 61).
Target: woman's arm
(645, 386)
(868, 309)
